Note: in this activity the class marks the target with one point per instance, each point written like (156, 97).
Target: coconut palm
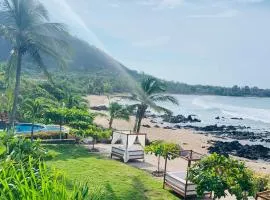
(34, 109)
(151, 92)
(25, 23)
(118, 111)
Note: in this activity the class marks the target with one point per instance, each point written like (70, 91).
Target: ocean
(254, 111)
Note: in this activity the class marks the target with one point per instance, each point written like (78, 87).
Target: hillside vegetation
(96, 72)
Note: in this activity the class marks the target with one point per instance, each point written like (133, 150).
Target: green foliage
(19, 149)
(262, 182)
(28, 28)
(93, 131)
(218, 174)
(118, 111)
(23, 174)
(34, 109)
(66, 115)
(150, 92)
(161, 149)
(25, 180)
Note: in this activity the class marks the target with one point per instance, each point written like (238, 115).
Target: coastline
(187, 138)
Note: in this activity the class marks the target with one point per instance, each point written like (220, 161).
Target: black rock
(237, 118)
(153, 122)
(146, 126)
(167, 127)
(253, 152)
(217, 117)
(99, 108)
(179, 119)
(157, 126)
(177, 126)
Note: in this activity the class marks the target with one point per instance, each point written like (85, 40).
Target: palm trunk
(16, 89)
(137, 119)
(141, 116)
(158, 163)
(32, 132)
(139, 124)
(60, 128)
(110, 122)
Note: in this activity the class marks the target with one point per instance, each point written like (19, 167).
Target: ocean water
(254, 111)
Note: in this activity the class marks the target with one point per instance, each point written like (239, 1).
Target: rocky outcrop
(99, 108)
(253, 152)
(180, 119)
(146, 126)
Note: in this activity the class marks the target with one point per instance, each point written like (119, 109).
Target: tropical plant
(19, 148)
(34, 109)
(218, 174)
(97, 133)
(25, 23)
(161, 149)
(28, 180)
(118, 111)
(67, 116)
(262, 182)
(148, 95)
(74, 101)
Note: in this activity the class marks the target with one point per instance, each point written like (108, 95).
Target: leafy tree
(92, 130)
(161, 149)
(25, 23)
(64, 115)
(34, 109)
(148, 95)
(118, 111)
(218, 174)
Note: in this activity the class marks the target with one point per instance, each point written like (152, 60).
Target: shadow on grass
(136, 192)
(69, 151)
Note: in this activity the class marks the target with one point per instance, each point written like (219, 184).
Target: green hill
(93, 68)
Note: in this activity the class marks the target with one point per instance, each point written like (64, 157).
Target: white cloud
(224, 14)
(157, 41)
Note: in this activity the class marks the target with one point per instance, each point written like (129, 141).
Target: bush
(218, 174)
(262, 182)
(48, 135)
(19, 149)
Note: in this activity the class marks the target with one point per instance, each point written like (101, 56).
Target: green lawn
(113, 179)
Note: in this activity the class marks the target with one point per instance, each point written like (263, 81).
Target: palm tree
(25, 23)
(118, 111)
(148, 95)
(33, 109)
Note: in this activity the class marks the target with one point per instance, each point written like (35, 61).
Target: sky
(215, 42)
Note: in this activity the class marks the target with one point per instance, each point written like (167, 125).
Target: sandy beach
(187, 138)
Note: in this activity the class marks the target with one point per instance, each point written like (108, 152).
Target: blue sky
(216, 42)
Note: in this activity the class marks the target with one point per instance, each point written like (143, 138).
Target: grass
(113, 179)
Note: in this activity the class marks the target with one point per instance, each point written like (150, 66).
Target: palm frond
(164, 98)
(162, 109)
(151, 85)
(38, 59)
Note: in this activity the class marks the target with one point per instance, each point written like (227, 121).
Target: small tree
(161, 149)
(218, 174)
(34, 109)
(118, 111)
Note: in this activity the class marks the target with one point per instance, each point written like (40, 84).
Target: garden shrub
(218, 174)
